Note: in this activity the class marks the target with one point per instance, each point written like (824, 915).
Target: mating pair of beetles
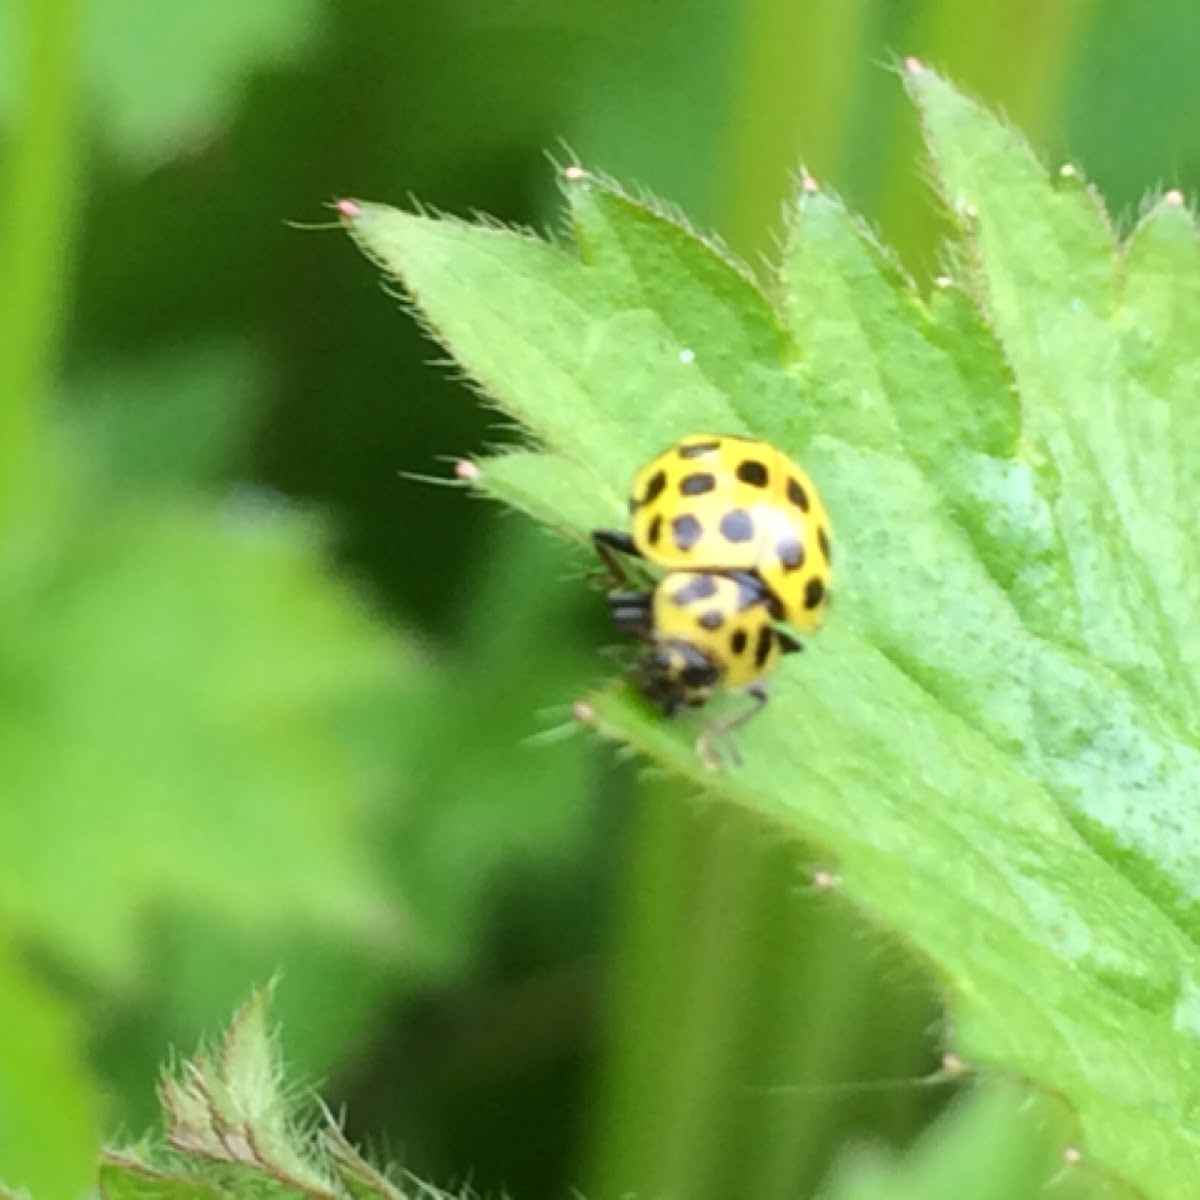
(744, 543)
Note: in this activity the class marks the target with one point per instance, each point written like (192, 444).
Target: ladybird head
(675, 674)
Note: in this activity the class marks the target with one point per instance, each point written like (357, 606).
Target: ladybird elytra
(743, 542)
(717, 502)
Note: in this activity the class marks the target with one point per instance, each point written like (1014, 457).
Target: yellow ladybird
(716, 502)
(745, 543)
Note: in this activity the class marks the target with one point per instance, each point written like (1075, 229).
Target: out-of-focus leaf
(497, 787)
(192, 60)
(1131, 98)
(994, 1143)
(183, 720)
(652, 107)
(48, 1136)
(167, 421)
(992, 740)
(164, 77)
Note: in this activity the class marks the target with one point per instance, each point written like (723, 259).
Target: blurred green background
(271, 706)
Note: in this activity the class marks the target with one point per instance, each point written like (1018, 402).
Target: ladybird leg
(613, 545)
(719, 731)
(789, 643)
(632, 612)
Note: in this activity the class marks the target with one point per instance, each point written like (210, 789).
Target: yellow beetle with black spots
(744, 540)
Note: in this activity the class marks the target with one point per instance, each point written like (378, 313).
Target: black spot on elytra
(634, 505)
(712, 620)
(791, 553)
(698, 449)
(754, 473)
(823, 542)
(762, 651)
(797, 495)
(702, 587)
(697, 484)
(737, 526)
(814, 593)
(686, 531)
(737, 643)
(655, 531)
(654, 489)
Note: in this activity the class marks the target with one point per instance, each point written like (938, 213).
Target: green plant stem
(700, 905)
(40, 213)
(798, 66)
(717, 999)
(820, 994)
(635, 1098)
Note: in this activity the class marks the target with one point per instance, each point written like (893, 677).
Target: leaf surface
(183, 705)
(191, 61)
(994, 741)
(48, 1119)
(991, 1144)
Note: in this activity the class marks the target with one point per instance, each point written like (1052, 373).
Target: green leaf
(454, 840)
(166, 422)
(192, 61)
(992, 1144)
(230, 1106)
(48, 1135)
(234, 1127)
(124, 1176)
(993, 744)
(188, 697)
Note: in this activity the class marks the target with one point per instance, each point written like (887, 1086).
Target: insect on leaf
(994, 741)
